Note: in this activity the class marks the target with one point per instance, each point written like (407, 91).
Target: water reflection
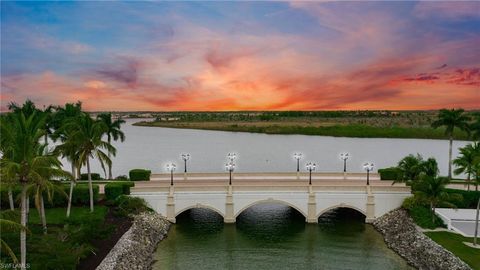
(271, 236)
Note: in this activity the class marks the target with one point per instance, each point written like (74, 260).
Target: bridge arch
(203, 206)
(272, 201)
(342, 205)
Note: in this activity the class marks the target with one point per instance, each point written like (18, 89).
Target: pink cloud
(447, 9)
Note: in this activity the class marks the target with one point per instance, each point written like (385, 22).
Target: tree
(466, 161)
(23, 163)
(451, 119)
(432, 190)
(9, 225)
(87, 135)
(68, 148)
(475, 126)
(411, 167)
(429, 167)
(112, 131)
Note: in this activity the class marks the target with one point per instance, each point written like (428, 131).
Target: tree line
(28, 160)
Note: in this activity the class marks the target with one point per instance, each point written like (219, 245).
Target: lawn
(454, 243)
(58, 215)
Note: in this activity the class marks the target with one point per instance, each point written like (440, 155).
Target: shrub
(81, 196)
(423, 217)
(127, 205)
(126, 186)
(122, 178)
(469, 198)
(139, 175)
(410, 203)
(95, 176)
(392, 173)
(113, 190)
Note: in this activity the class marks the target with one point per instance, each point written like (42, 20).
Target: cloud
(454, 10)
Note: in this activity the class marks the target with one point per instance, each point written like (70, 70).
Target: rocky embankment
(405, 238)
(135, 248)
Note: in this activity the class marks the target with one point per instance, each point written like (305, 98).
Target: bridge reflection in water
(274, 236)
(328, 191)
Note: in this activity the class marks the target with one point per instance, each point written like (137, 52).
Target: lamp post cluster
(230, 166)
(171, 167)
(310, 166)
(368, 166)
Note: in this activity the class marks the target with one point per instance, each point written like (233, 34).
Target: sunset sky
(242, 56)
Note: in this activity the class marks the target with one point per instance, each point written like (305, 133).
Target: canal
(273, 236)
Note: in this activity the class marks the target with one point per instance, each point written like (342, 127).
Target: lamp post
(368, 166)
(310, 167)
(298, 156)
(231, 156)
(171, 167)
(230, 166)
(344, 157)
(185, 157)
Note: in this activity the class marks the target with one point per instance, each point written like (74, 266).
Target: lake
(152, 147)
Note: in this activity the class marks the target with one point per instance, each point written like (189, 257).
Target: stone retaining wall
(135, 248)
(405, 238)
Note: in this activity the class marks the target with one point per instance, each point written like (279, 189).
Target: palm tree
(475, 126)
(87, 135)
(411, 167)
(43, 184)
(432, 189)
(451, 119)
(466, 161)
(23, 163)
(9, 225)
(61, 118)
(68, 149)
(430, 167)
(113, 131)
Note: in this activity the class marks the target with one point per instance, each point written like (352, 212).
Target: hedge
(392, 173)
(470, 198)
(139, 175)
(113, 190)
(81, 196)
(126, 186)
(95, 176)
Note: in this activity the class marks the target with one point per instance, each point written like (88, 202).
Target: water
(153, 147)
(272, 236)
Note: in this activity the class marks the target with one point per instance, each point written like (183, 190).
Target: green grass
(347, 130)
(454, 243)
(58, 215)
(422, 216)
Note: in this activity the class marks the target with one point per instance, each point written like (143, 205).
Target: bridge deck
(256, 180)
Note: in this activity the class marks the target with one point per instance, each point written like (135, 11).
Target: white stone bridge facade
(327, 192)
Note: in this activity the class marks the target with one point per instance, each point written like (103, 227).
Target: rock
(405, 238)
(134, 250)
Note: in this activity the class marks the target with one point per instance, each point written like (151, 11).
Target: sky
(217, 56)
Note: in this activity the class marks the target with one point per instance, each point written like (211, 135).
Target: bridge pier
(229, 214)
(171, 206)
(370, 206)
(312, 207)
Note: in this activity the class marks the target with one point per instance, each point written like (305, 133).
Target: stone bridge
(327, 191)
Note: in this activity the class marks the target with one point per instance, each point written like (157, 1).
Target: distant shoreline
(334, 130)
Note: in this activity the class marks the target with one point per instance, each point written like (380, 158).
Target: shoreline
(407, 240)
(346, 131)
